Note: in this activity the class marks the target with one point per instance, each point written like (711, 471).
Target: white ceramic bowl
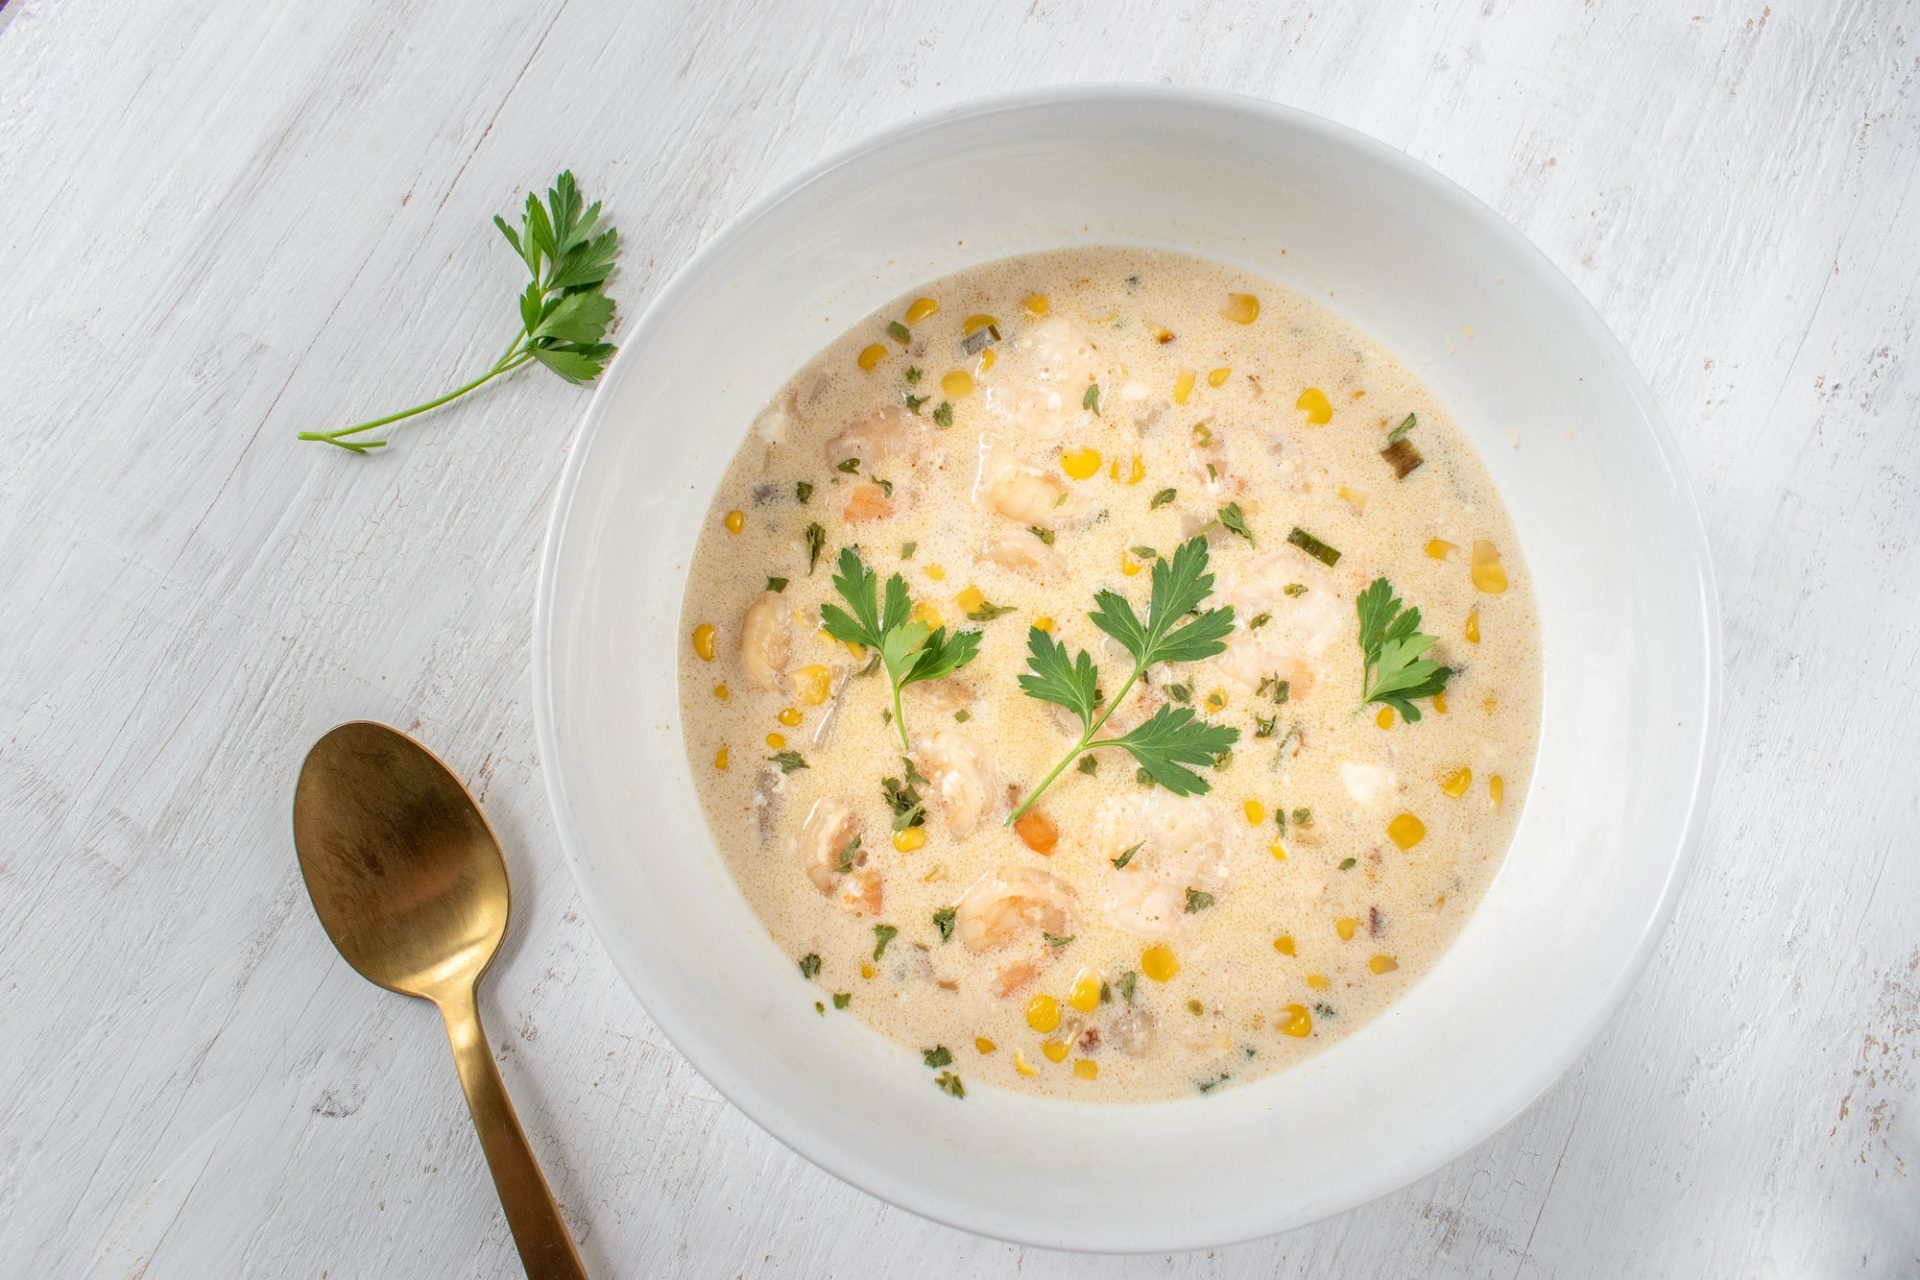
(1611, 535)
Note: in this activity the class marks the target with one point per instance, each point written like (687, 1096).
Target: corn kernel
(1241, 308)
(776, 740)
(1383, 964)
(1135, 473)
(1353, 498)
(789, 716)
(984, 1045)
(1439, 550)
(1406, 831)
(1043, 1013)
(935, 572)
(1056, 1050)
(870, 357)
(970, 598)
(1183, 386)
(975, 323)
(1036, 304)
(1440, 703)
(957, 385)
(1020, 1064)
(1278, 850)
(1297, 1023)
(1358, 393)
(721, 692)
(1489, 575)
(987, 360)
(1488, 703)
(1081, 464)
(1161, 334)
(926, 613)
(703, 641)
(1318, 981)
(1043, 623)
(1217, 700)
(720, 759)
(1255, 811)
(1085, 995)
(1128, 566)
(736, 521)
(1455, 782)
(921, 309)
(1473, 625)
(1218, 376)
(1385, 718)
(1038, 832)
(1284, 945)
(1158, 962)
(1497, 788)
(909, 839)
(811, 684)
(867, 970)
(1086, 1068)
(1313, 402)
(1345, 926)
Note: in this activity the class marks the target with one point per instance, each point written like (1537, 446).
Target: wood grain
(227, 222)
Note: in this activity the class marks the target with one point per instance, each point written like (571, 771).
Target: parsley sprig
(1170, 740)
(1393, 647)
(564, 312)
(909, 650)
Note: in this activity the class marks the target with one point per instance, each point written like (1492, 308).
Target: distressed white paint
(222, 223)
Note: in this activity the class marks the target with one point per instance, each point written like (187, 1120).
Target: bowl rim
(1579, 310)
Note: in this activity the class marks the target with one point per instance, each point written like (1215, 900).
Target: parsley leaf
(938, 1056)
(883, 933)
(842, 999)
(943, 414)
(943, 921)
(1091, 400)
(816, 543)
(1393, 649)
(948, 1082)
(776, 584)
(1198, 901)
(564, 312)
(882, 622)
(1126, 857)
(1235, 521)
(788, 760)
(1173, 631)
(1162, 498)
(809, 966)
(803, 491)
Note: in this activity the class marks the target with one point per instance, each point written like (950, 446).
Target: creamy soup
(1051, 686)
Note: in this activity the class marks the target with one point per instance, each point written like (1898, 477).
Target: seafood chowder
(1109, 675)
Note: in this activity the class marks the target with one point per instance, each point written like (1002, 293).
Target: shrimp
(1012, 906)
(962, 776)
(1023, 553)
(866, 502)
(1182, 844)
(883, 435)
(1026, 495)
(766, 640)
(1044, 377)
(828, 845)
(1367, 782)
(1299, 630)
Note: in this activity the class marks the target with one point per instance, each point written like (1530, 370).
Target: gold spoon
(407, 878)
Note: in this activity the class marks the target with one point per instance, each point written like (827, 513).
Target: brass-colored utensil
(408, 881)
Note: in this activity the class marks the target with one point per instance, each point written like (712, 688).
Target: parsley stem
(899, 718)
(1085, 744)
(515, 357)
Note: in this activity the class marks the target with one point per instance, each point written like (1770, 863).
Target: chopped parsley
(844, 863)
(913, 374)
(788, 760)
(1258, 621)
(803, 491)
(899, 332)
(816, 543)
(914, 403)
(1235, 521)
(1089, 765)
(1045, 535)
(907, 549)
(1324, 1010)
(903, 798)
(848, 466)
(948, 1082)
(988, 611)
(1091, 400)
(809, 966)
(943, 414)
(883, 934)
(938, 1056)
(1055, 941)
(962, 716)
(1198, 901)
(842, 999)
(1179, 693)
(1208, 1086)
(1125, 983)
(1263, 726)
(1347, 864)
(1295, 588)
(1126, 857)
(776, 584)
(1407, 424)
(1162, 498)
(943, 921)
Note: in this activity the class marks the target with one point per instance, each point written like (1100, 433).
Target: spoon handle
(546, 1250)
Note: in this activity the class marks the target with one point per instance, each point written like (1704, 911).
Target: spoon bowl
(407, 879)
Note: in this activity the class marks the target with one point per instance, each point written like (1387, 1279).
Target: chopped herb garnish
(1195, 1008)
(1295, 588)
(899, 332)
(1147, 554)
(1169, 741)
(883, 934)
(809, 966)
(1089, 765)
(913, 374)
(1324, 1010)
(938, 1056)
(1346, 864)
(914, 403)
(1162, 498)
(1303, 817)
(886, 486)
(1125, 983)
(1091, 400)
(1211, 473)
(943, 414)
(962, 716)
(943, 921)
(1263, 726)
(903, 798)
(1142, 777)
(816, 543)
(1407, 424)
(1280, 689)
(848, 466)
(906, 648)
(948, 1082)
(788, 760)
(844, 863)
(907, 549)
(841, 999)
(1126, 857)
(1208, 1086)
(803, 491)
(776, 584)
(1314, 547)
(820, 1008)
(1198, 901)
(988, 611)
(1258, 621)
(1393, 649)
(1235, 521)
(1045, 535)
(1179, 693)
(1055, 941)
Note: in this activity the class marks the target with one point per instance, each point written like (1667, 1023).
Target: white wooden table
(225, 222)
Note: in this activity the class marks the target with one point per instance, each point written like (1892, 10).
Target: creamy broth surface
(1339, 849)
